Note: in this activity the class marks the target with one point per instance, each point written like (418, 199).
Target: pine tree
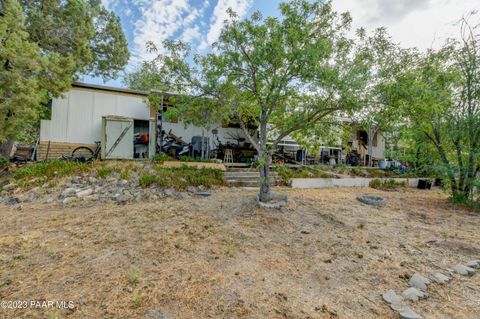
(20, 66)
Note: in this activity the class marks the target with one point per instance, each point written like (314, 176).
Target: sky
(412, 23)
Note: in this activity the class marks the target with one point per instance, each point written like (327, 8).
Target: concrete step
(242, 169)
(245, 174)
(237, 183)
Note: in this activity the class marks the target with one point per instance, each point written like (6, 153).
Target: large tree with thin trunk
(45, 45)
(440, 99)
(384, 59)
(283, 75)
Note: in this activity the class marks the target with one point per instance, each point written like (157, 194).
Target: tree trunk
(8, 149)
(265, 159)
(370, 134)
(264, 195)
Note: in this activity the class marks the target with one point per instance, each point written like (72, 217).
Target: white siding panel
(132, 106)
(104, 104)
(45, 130)
(58, 125)
(80, 117)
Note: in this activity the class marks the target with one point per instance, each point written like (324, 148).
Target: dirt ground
(326, 255)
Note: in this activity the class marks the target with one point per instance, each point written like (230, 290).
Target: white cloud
(423, 23)
(160, 20)
(220, 15)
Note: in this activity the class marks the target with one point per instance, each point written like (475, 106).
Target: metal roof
(108, 88)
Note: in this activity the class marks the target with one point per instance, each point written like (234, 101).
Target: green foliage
(104, 171)
(388, 184)
(50, 169)
(287, 173)
(4, 162)
(147, 180)
(45, 45)
(292, 72)
(124, 174)
(182, 177)
(22, 63)
(134, 275)
(438, 94)
(138, 300)
(162, 157)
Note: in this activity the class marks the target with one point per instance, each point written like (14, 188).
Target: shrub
(388, 184)
(287, 173)
(182, 177)
(134, 275)
(4, 162)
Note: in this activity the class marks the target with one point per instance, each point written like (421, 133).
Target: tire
(372, 200)
(172, 152)
(82, 151)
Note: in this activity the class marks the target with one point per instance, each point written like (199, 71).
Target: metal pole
(161, 124)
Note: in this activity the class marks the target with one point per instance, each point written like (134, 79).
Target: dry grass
(221, 257)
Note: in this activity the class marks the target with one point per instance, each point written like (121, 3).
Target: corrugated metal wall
(77, 117)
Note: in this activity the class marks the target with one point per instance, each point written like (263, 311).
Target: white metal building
(76, 120)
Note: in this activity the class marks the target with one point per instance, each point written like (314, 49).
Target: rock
(169, 191)
(68, 200)
(156, 314)
(9, 187)
(440, 278)
(121, 199)
(11, 201)
(413, 294)
(203, 194)
(408, 313)
(182, 195)
(122, 183)
(92, 180)
(191, 189)
(391, 297)
(418, 281)
(463, 270)
(69, 192)
(86, 192)
(75, 180)
(474, 264)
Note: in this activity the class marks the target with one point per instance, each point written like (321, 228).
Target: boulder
(418, 281)
(440, 278)
(463, 270)
(413, 294)
(85, 192)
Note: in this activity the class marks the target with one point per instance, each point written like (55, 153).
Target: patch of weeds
(4, 162)
(182, 177)
(138, 300)
(445, 234)
(103, 172)
(124, 175)
(147, 180)
(389, 184)
(50, 169)
(287, 173)
(463, 201)
(27, 183)
(192, 159)
(361, 226)
(230, 247)
(162, 157)
(134, 275)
